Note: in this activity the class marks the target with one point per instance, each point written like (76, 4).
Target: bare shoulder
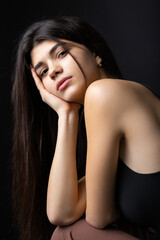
(131, 110)
(107, 87)
(106, 102)
(121, 99)
(120, 92)
(115, 93)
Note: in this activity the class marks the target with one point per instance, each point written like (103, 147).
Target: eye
(44, 71)
(62, 53)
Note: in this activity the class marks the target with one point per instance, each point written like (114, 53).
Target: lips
(63, 83)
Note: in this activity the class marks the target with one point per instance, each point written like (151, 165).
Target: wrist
(69, 115)
(68, 127)
(72, 110)
(69, 118)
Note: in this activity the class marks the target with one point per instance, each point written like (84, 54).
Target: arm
(65, 195)
(103, 126)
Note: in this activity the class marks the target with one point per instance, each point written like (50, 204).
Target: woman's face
(66, 68)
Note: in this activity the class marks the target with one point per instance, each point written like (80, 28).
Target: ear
(98, 60)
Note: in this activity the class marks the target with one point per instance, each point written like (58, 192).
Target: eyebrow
(39, 64)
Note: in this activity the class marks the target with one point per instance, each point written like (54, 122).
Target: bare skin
(122, 120)
(132, 132)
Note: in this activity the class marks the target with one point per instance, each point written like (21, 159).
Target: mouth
(63, 83)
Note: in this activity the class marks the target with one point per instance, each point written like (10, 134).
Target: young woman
(104, 186)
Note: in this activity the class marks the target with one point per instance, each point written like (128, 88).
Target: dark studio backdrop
(131, 29)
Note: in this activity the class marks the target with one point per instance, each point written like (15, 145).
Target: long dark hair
(35, 123)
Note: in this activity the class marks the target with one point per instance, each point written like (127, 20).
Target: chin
(71, 99)
(73, 96)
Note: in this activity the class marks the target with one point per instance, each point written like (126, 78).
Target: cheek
(90, 68)
(50, 86)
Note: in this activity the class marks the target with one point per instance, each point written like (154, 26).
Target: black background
(131, 29)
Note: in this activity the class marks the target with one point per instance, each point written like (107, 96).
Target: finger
(37, 80)
(43, 92)
(45, 95)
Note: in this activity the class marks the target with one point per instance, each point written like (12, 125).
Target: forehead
(40, 49)
(44, 47)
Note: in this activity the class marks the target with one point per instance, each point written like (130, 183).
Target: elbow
(55, 220)
(59, 219)
(98, 223)
(54, 215)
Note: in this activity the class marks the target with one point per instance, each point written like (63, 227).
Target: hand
(56, 103)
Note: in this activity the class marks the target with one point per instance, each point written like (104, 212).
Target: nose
(55, 70)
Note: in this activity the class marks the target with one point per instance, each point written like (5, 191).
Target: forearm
(62, 195)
